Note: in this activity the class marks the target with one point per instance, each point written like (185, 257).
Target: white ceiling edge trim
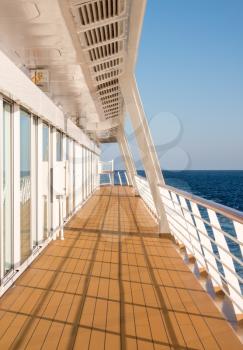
(103, 125)
(18, 87)
(137, 13)
(82, 138)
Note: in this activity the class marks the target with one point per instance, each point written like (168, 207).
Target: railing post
(128, 183)
(120, 180)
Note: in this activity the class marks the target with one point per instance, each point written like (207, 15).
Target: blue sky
(190, 76)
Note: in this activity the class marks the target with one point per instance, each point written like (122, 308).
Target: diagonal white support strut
(145, 143)
(127, 156)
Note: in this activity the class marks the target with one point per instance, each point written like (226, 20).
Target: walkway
(111, 284)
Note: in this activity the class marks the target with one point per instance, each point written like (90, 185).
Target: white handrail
(206, 239)
(231, 213)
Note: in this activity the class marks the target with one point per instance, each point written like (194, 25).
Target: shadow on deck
(111, 284)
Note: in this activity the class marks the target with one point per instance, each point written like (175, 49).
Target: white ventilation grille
(104, 51)
(108, 75)
(108, 65)
(109, 97)
(102, 26)
(103, 34)
(109, 91)
(96, 11)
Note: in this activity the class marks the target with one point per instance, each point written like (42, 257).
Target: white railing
(124, 181)
(127, 181)
(24, 189)
(144, 191)
(211, 233)
(106, 167)
(106, 172)
(119, 178)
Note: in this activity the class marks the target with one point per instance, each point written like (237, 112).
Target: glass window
(7, 180)
(25, 184)
(67, 148)
(58, 146)
(45, 143)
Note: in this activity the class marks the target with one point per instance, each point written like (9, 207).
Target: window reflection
(45, 143)
(58, 146)
(25, 184)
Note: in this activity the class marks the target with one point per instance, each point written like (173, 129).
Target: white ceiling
(83, 44)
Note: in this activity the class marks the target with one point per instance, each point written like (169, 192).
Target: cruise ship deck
(112, 283)
(94, 256)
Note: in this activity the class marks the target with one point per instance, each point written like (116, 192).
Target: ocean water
(222, 186)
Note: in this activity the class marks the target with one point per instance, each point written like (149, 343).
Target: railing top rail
(228, 212)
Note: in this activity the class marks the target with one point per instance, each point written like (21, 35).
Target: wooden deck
(111, 284)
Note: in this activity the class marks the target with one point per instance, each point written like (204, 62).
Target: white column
(85, 172)
(81, 174)
(33, 181)
(127, 156)
(145, 143)
(16, 186)
(39, 195)
(53, 164)
(1, 189)
(96, 175)
(88, 172)
(64, 150)
(74, 154)
(71, 174)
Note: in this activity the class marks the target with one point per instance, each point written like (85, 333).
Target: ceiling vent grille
(107, 65)
(112, 110)
(100, 10)
(111, 96)
(108, 75)
(105, 51)
(104, 33)
(110, 102)
(108, 91)
(107, 84)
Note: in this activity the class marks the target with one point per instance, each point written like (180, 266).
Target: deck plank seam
(18, 340)
(168, 326)
(75, 326)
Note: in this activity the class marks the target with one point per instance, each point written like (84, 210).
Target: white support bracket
(145, 143)
(127, 156)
